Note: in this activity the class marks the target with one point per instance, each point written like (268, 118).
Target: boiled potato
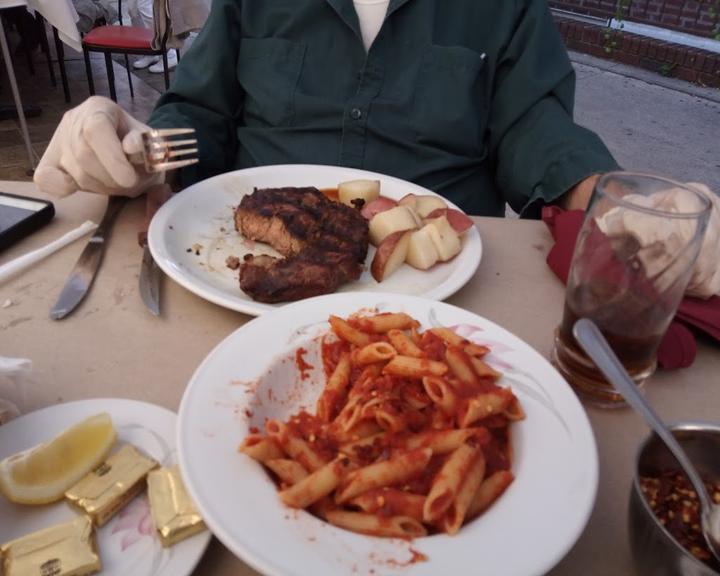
(393, 220)
(390, 255)
(421, 252)
(426, 204)
(446, 240)
(367, 190)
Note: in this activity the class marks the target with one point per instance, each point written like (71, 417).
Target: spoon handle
(593, 342)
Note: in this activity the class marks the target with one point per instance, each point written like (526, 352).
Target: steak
(324, 243)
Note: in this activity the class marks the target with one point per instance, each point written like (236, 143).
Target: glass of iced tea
(632, 262)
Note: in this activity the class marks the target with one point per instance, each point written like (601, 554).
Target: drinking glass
(632, 261)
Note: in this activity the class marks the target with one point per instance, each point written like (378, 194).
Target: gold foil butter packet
(174, 513)
(111, 485)
(67, 549)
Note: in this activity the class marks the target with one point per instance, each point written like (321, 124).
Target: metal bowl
(655, 552)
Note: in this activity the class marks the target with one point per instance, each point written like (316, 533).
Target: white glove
(705, 279)
(89, 152)
(660, 244)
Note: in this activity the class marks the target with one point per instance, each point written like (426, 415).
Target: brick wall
(699, 17)
(691, 64)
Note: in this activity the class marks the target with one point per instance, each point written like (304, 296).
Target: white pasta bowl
(253, 375)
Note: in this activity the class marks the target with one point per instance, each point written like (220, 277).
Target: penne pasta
(372, 353)
(410, 367)
(445, 441)
(401, 434)
(489, 490)
(455, 515)
(391, 502)
(348, 333)
(459, 364)
(484, 370)
(260, 448)
(448, 336)
(294, 445)
(441, 393)
(404, 344)
(398, 469)
(288, 471)
(382, 323)
(476, 350)
(315, 486)
(335, 391)
(393, 527)
(447, 482)
(484, 405)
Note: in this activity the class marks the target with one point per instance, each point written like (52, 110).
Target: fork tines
(165, 151)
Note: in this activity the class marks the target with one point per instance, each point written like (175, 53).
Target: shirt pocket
(268, 71)
(449, 111)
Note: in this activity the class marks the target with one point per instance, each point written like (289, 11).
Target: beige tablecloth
(111, 346)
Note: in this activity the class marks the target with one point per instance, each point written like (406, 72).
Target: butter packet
(174, 513)
(67, 549)
(112, 485)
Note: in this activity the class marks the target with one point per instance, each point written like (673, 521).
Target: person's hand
(89, 152)
(578, 197)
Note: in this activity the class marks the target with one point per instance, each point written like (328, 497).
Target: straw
(23, 262)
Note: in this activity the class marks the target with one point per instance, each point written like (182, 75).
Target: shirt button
(356, 113)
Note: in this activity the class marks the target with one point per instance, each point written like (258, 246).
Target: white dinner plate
(127, 544)
(192, 235)
(252, 375)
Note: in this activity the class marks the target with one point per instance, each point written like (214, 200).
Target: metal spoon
(593, 342)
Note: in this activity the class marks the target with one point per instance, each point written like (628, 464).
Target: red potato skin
(458, 220)
(383, 253)
(376, 206)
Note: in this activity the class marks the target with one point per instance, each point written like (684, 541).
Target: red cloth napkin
(678, 347)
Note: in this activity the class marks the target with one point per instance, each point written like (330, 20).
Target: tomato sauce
(302, 366)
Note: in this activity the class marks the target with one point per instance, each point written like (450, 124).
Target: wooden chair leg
(88, 71)
(110, 76)
(127, 67)
(45, 47)
(166, 71)
(60, 50)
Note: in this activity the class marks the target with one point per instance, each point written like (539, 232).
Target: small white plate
(127, 544)
(252, 375)
(192, 235)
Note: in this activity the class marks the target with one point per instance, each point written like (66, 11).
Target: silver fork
(163, 150)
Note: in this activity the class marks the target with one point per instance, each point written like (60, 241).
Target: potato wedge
(446, 240)
(366, 190)
(390, 255)
(426, 204)
(376, 206)
(393, 220)
(421, 253)
(458, 220)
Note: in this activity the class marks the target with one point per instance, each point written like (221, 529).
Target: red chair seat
(128, 37)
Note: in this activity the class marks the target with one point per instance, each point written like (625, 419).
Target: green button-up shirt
(470, 98)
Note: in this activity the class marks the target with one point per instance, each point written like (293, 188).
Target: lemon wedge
(43, 473)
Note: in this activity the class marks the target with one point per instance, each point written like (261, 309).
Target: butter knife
(81, 278)
(149, 283)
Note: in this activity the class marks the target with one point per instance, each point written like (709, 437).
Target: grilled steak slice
(324, 243)
(311, 272)
(291, 218)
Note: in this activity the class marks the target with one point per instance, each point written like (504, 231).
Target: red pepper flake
(254, 430)
(674, 502)
(302, 366)
(248, 413)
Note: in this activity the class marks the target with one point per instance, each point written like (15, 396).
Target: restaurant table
(113, 347)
